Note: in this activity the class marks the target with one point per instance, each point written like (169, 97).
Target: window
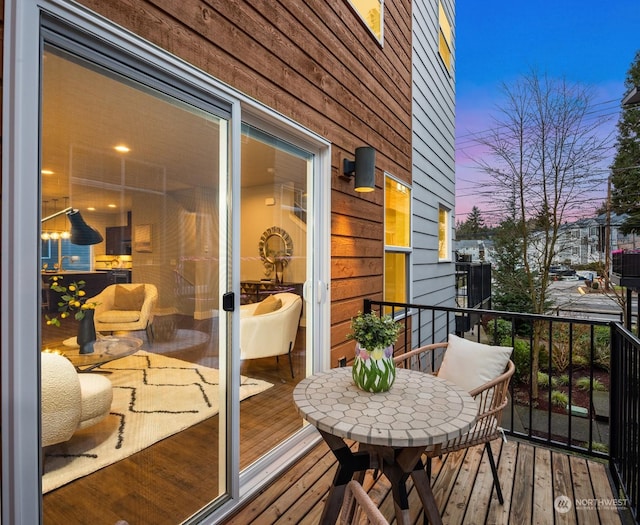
(397, 226)
(444, 44)
(444, 236)
(371, 13)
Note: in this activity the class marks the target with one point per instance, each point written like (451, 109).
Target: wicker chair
(491, 398)
(357, 507)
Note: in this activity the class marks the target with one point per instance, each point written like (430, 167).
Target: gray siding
(433, 147)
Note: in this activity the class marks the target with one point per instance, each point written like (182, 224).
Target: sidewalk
(559, 424)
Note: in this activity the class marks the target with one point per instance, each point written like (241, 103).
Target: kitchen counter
(95, 282)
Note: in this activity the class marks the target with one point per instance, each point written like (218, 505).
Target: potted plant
(73, 302)
(373, 367)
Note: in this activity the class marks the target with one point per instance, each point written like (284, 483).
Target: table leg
(348, 464)
(422, 483)
(404, 463)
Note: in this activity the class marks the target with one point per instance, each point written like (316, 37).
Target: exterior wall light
(363, 169)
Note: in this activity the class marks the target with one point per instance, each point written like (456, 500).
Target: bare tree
(545, 151)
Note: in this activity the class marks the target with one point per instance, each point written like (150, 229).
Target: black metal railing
(625, 416)
(625, 264)
(473, 284)
(588, 382)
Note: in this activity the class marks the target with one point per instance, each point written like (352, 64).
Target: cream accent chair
(273, 333)
(70, 401)
(109, 319)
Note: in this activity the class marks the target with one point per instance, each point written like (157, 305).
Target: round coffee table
(105, 349)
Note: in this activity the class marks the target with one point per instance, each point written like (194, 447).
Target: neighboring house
(475, 250)
(618, 240)
(215, 135)
(578, 243)
(583, 241)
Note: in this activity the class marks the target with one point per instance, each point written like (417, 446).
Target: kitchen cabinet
(118, 240)
(95, 282)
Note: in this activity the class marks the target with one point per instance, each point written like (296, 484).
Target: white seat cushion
(97, 394)
(469, 364)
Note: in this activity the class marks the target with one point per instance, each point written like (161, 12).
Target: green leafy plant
(499, 330)
(543, 380)
(521, 358)
(563, 380)
(373, 332)
(559, 399)
(599, 447)
(584, 383)
(72, 302)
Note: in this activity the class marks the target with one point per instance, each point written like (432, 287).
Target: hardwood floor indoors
(170, 480)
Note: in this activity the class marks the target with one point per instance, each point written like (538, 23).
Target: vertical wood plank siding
(316, 63)
(433, 154)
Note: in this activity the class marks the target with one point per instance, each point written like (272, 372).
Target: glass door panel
(131, 429)
(274, 268)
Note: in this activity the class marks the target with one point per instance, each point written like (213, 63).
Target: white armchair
(118, 308)
(70, 401)
(273, 333)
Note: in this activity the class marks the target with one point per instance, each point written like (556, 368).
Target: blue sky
(590, 42)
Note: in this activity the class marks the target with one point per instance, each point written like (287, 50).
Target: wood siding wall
(433, 155)
(316, 63)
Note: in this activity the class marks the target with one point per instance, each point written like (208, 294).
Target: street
(571, 299)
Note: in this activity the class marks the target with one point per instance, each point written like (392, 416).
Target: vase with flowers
(373, 367)
(73, 302)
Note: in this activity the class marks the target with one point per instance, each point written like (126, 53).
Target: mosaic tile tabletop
(419, 410)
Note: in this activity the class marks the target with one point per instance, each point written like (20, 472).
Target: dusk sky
(588, 41)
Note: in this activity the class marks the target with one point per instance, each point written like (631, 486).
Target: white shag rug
(154, 397)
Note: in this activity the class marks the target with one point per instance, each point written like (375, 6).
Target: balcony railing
(588, 379)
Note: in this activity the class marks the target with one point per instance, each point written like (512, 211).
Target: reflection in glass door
(130, 423)
(274, 268)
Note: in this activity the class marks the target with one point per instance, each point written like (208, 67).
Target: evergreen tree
(511, 284)
(625, 195)
(476, 223)
(473, 228)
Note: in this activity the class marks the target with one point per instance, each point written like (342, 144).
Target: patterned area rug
(153, 397)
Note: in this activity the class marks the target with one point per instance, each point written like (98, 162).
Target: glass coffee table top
(105, 349)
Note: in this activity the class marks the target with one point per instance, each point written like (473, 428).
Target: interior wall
(256, 217)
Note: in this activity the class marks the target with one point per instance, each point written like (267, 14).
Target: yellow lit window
(395, 277)
(371, 13)
(397, 209)
(443, 234)
(397, 240)
(444, 45)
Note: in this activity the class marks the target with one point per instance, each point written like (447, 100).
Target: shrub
(499, 330)
(595, 285)
(563, 380)
(598, 447)
(543, 380)
(521, 358)
(584, 383)
(560, 356)
(559, 399)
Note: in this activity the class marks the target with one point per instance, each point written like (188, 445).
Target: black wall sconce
(363, 169)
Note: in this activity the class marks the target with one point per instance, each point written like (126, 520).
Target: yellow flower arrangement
(71, 302)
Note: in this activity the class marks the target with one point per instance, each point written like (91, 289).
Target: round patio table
(394, 428)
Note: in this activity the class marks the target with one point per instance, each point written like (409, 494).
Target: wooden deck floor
(531, 478)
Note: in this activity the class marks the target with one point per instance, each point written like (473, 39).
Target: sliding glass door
(171, 237)
(131, 422)
(275, 266)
